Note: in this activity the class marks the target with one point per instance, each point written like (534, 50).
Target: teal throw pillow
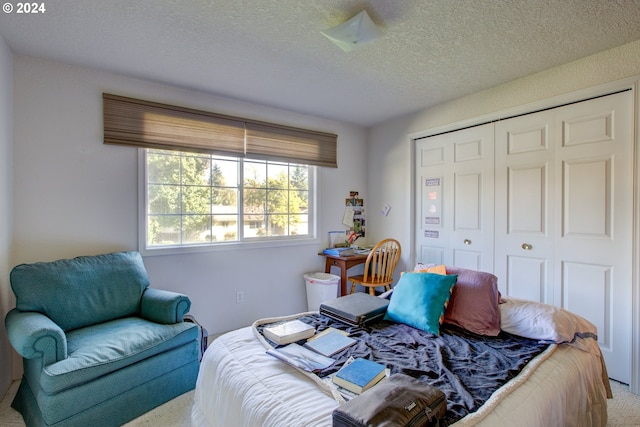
(420, 299)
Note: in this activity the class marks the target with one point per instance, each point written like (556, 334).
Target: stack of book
(315, 354)
(360, 375)
(339, 251)
(288, 332)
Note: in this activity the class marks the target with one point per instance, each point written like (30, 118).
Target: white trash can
(320, 287)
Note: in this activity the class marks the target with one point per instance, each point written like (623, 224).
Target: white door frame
(632, 83)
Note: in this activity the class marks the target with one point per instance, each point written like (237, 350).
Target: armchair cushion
(105, 287)
(98, 350)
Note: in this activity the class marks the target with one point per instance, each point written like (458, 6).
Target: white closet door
(594, 213)
(454, 190)
(525, 182)
(564, 215)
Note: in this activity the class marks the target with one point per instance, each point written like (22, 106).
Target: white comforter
(240, 385)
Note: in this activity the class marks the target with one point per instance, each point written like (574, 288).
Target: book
(348, 395)
(328, 331)
(330, 343)
(300, 357)
(288, 332)
(339, 251)
(359, 375)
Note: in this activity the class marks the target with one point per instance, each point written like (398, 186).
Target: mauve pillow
(474, 302)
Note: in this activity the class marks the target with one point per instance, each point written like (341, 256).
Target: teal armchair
(99, 346)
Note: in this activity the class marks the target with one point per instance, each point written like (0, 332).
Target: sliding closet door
(594, 213)
(454, 194)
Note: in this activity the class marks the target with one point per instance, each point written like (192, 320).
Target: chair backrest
(82, 291)
(382, 261)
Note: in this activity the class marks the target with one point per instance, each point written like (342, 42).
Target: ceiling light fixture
(356, 31)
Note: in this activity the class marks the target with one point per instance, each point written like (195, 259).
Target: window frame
(248, 243)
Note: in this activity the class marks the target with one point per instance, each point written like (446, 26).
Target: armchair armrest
(164, 306)
(34, 335)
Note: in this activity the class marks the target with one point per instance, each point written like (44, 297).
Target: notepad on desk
(359, 375)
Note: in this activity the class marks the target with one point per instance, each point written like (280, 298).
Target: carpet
(624, 409)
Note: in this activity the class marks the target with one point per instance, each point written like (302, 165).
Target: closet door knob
(467, 242)
(526, 246)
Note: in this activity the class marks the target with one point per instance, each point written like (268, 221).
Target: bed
(560, 378)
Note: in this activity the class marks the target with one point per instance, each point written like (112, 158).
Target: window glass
(201, 199)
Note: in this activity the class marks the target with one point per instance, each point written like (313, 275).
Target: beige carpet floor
(624, 410)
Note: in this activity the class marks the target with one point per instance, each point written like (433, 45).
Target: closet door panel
(594, 247)
(473, 198)
(586, 205)
(432, 255)
(467, 259)
(589, 291)
(524, 206)
(433, 216)
(466, 202)
(526, 277)
(455, 192)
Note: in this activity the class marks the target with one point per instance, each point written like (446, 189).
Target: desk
(344, 263)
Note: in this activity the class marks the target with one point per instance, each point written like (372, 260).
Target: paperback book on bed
(360, 375)
(300, 357)
(330, 343)
(288, 332)
(328, 331)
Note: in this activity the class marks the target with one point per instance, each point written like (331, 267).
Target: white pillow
(546, 322)
(420, 266)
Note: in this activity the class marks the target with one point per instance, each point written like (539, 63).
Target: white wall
(6, 202)
(76, 196)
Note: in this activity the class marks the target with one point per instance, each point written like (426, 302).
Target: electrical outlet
(239, 297)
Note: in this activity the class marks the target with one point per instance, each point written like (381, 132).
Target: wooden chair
(378, 269)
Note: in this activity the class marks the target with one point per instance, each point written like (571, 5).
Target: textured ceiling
(271, 51)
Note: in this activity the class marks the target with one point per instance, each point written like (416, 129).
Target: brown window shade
(144, 124)
(148, 124)
(273, 142)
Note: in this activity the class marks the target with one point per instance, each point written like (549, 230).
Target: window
(194, 199)
(209, 179)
